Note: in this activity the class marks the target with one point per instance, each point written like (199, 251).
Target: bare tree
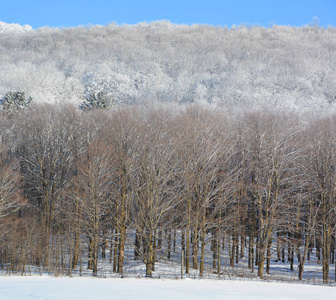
(320, 165)
(47, 164)
(11, 199)
(154, 175)
(272, 158)
(94, 180)
(122, 135)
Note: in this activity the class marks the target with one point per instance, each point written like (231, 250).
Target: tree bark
(121, 252)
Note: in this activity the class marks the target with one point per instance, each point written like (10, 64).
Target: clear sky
(68, 13)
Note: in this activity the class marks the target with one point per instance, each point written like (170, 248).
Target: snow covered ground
(44, 287)
(171, 269)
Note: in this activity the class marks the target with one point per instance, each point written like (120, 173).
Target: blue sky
(69, 13)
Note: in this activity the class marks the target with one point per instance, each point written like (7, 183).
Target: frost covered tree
(244, 66)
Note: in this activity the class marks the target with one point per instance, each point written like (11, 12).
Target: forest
(124, 144)
(78, 185)
(244, 67)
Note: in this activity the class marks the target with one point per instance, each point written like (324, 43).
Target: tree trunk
(187, 251)
(149, 258)
(291, 257)
(202, 252)
(90, 255)
(278, 247)
(111, 248)
(169, 243)
(218, 253)
(183, 244)
(76, 250)
(325, 254)
(95, 257)
(300, 263)
(115, 252)
(214, 240)
(268, 258)
(154, 250)
(250, 253)
(242, 245)
(121, 253)
(137, 244)
(236, 242)
(261, 262)
(195, 249)
(231, 252)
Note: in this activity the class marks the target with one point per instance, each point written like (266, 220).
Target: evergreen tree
(15, 100)
(96, 100)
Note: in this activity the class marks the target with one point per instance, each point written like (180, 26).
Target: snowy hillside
(243, 66)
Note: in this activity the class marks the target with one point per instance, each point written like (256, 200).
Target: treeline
(241, 66)
(82, 182)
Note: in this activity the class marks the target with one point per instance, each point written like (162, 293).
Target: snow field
(51, 288)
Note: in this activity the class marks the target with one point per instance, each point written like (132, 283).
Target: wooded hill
(159, 61)
(232, 167)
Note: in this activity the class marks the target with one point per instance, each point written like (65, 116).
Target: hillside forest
(244, 67)
(156, 137)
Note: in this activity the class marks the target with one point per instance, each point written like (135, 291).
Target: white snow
(43, 287)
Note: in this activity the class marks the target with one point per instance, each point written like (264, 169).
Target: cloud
(5, 27)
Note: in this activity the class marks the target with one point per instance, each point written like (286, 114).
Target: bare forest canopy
(280, 66)
(80, 186)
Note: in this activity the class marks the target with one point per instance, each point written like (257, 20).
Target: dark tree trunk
(137, 245)
(268, 258)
